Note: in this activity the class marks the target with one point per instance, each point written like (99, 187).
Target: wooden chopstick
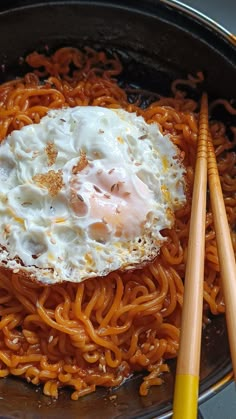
(188, 362)
(225, 249)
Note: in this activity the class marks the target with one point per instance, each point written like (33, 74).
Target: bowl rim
(202, 18)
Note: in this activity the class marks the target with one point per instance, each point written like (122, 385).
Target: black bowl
(158, 42)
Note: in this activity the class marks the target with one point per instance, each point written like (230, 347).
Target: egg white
(103, 217)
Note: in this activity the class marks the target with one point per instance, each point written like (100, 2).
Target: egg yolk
(113, 199)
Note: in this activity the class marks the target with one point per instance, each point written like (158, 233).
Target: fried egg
(86, 191)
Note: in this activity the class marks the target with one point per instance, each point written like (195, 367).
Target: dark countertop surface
(223, 12)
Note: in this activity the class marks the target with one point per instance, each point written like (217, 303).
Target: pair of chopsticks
(188, 363)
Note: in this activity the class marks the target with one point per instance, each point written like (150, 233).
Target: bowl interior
(157, 44)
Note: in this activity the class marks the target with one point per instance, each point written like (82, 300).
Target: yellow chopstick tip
(186, 396)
